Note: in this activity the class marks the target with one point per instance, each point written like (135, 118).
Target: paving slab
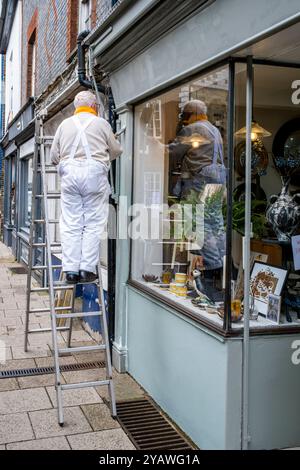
(13, 340)
(113, 439)
(85, 375)
(125, 388)
(99, 417)
(77, 336)
(17, 401)
(5, 354)
(36, 381)
(89, 356)
(52, 443)
(8, 384)
(45, 422)
(18, 364)
(14, 313)
(36, 351)
(15, 322)
(49, 361)
(15, 428)
(79, 396)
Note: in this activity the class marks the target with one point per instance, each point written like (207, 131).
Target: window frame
(226, 330)
(25, 221)
(85, 7)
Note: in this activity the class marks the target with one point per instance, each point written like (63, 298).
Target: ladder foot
(61, 424)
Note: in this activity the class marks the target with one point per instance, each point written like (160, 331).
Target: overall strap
(218, 148)
(81, 136)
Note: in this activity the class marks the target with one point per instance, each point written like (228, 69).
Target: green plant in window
(258, 217)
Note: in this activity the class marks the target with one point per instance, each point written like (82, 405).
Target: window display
(275, 192)
(180, 186)
(182, 201)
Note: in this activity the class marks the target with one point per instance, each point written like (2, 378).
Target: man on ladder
(83, 147)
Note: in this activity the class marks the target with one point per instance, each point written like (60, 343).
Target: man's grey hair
(85, 98)
(195, 107)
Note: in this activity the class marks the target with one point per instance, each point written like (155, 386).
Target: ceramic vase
(283, 212)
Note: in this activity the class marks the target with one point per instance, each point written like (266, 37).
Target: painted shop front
(18, 146)
(208, 321)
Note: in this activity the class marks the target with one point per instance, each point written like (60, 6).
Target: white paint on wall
(13, 68)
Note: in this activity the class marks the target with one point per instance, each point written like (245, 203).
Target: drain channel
(147, 428)
(8, 374)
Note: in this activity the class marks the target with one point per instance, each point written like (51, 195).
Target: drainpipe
(82, 78)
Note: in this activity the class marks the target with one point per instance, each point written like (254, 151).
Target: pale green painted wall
(185, 370)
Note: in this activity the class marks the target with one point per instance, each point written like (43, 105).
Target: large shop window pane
(179, 211)
(26, 175)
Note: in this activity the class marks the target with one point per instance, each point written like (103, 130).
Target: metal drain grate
(147, 428)
(8, 374)
(18, 270)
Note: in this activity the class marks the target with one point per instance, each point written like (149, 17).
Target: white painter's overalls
(84, 205)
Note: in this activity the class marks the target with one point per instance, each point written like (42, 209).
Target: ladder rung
(49, 330)
(79, 314)
(49, 196)
(46, 289)
(42, 221)
(42, 244)
(96, 383)
(79, 349)
(48, 170)
(45, 137)
(54, 266)
(41, 310)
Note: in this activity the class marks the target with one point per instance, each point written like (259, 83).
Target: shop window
(10, 191)
(275, 195)
(178, 226)
(26, 192)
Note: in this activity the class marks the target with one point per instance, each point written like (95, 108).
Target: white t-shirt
(103, 144)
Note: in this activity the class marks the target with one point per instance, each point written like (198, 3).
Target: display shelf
(186, 303)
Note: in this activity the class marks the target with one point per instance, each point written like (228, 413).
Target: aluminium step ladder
(40, 239)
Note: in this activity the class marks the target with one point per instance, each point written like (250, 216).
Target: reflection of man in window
(198, 150)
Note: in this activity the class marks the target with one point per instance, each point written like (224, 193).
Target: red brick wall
(72, 25)
(56, 24)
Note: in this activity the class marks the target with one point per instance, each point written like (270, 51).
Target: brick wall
(51, 41)
(56, 34)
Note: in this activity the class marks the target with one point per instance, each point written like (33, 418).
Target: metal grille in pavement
(7, 374)
(147, 428)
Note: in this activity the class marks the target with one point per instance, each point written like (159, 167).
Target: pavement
(28, 414)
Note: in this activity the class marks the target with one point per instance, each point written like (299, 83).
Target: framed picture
(239, 285)
(266, 279)
(274, 307)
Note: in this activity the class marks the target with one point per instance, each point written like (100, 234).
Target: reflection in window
(27, 174)
(178, 233)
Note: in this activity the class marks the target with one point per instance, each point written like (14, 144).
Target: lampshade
(195, 140)
(257, 131)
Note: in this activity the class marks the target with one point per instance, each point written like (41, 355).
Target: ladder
(40, 223)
